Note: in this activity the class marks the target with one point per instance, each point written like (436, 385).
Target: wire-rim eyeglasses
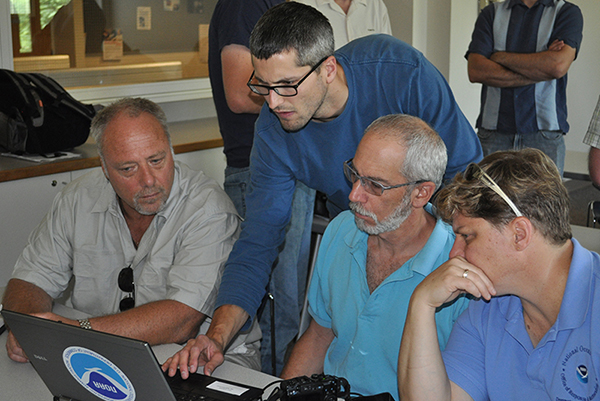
(370, 185)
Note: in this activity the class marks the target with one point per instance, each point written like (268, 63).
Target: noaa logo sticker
(98, 375)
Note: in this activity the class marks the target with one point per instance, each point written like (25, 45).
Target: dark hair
(293, 26)
(531, 181)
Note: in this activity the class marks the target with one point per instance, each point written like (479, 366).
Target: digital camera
(315, 388)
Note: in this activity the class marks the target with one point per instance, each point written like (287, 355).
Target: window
(91, 43)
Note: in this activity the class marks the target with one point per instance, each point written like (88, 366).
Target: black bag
(37, 115)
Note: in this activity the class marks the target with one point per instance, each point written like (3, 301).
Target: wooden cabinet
(23, 204)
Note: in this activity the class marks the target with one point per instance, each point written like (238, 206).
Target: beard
(305, 111)
(295, 125)
(390, 223)
(152, 207)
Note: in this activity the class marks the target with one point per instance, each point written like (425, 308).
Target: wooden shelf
(186, 136)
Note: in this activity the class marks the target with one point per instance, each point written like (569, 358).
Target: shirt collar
(547, 3)
(430, 253)
(576, 299)
(320, 3)
(574, 305)
(424, 259)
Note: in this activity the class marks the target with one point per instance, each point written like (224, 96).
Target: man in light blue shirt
(373, 256)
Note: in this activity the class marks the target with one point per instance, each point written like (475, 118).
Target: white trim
(159, 92)
(6, 58)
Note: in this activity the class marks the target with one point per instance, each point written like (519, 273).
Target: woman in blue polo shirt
(534, 335)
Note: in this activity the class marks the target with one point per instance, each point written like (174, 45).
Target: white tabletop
(19, 381)
(589, 238)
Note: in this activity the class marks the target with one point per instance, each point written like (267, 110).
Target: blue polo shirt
(491, 357)
(368, 327)
(513, 27)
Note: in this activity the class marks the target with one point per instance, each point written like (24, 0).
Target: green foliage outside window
(48, 9)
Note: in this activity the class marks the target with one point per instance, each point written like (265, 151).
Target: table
(588, 237)
(19, 381)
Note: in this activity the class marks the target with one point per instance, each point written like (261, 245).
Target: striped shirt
(513, 27)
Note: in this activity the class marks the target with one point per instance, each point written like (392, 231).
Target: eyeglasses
(126, 285)
(473, 171)
(371, 186)
(281, 90)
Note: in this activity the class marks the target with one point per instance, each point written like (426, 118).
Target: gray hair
(426, 155)
(133, 107)
(293, 26)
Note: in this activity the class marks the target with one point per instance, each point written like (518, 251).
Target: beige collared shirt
(365, 17)
(84, 238)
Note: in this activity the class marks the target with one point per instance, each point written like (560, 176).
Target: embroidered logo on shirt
(579, 382)
(582, 373)
(98, 375)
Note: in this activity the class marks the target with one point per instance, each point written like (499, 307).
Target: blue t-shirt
(384, 76)
(513, 27)
(368, 327)
(231, 23)
(491, 357)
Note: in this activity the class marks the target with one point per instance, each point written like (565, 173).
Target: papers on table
(43, 158)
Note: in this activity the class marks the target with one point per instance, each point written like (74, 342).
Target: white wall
(584, 75)
(464, 14)
(431, 32)
(583, 86)
(5, 36)
(401, 18)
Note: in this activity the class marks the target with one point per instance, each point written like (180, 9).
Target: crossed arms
(509, 70)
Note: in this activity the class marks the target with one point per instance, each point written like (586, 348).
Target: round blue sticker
(98, 375)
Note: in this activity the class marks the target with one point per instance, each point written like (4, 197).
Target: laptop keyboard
(185, 390)
(192, 397)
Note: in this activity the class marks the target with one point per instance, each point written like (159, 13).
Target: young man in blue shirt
(317, 106)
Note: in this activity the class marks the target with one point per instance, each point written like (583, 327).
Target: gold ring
(465, 273)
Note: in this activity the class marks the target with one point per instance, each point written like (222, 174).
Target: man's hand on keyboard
(198, 352)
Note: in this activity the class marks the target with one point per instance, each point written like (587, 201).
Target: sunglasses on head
(474, 172)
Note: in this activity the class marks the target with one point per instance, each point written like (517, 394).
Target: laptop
(86, 365)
